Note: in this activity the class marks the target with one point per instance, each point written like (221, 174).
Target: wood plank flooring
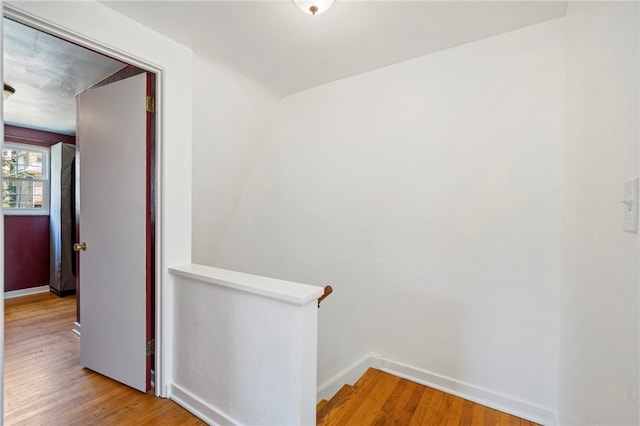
(379, 398)
(45, 385)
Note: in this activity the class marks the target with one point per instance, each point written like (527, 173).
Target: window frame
(46, 179)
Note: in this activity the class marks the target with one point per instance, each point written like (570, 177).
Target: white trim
(11, 11)
(201, 409)
(161, 302)
(76, 328)
(348, 376)
(477, 394)
(45, 179)
(284, 291)
(26, 291)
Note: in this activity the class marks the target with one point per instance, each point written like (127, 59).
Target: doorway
(93, 24)
(151, 251)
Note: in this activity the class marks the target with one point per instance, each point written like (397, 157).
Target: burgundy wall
(26, 254)
(35, 137)
(26, 238)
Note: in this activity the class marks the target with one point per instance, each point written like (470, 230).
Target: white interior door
(112, 135)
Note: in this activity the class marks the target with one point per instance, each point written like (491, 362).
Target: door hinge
(151, 347)
(151, 104)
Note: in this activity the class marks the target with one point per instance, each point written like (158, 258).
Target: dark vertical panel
(62, 278)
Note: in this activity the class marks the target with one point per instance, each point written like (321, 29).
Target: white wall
(93, 24)
(428, 194)
(599, 338)
(230, 116)
(245, 347)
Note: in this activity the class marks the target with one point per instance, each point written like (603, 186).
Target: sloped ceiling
(275, 43)
(47, 73)
(270, 41)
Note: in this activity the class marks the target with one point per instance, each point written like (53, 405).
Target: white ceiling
(275, 43)
(271, 41)
(47, 73)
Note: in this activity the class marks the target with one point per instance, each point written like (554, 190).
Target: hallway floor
(44, 383)
(379, 398)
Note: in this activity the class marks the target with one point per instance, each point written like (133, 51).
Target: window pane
(22, 193)
(25, 179)
(22, 163)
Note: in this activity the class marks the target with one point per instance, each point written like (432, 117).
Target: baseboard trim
(473, 393)
(26, 291)
(199, 408)
(76, 328)
(348, 376)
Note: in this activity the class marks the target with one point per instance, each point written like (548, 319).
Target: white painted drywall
(245, 347)
(599, 316)
(89, 21)
(428, 194)
(231, 114)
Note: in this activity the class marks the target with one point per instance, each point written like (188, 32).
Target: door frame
(161, 348)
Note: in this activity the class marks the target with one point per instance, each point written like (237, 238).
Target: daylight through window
(25, 179)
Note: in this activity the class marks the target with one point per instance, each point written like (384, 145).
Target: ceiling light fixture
(8, 91)
(313, 7)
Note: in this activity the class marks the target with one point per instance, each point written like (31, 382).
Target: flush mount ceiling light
(8, 91)
(313, 7)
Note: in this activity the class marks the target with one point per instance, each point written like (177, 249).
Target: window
(25, 179)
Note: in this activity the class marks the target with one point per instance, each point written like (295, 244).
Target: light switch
(630, 205)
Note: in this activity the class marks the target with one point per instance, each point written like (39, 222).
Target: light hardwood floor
(45, 385)
(379, 398)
